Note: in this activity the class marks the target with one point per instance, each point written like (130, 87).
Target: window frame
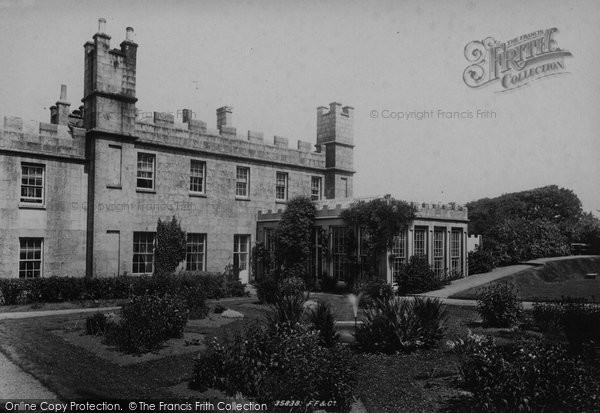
(153, 172)
(246, 254)
(399, 250)
(319, 187)
(281, 183)
(424, 240)
(27, 200)
(143, 253)
(189, 253)
(245, 181)
(33, 260)
(202, 191)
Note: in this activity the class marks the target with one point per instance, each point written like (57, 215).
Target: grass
(554, 280)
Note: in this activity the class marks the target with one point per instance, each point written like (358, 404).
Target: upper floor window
(32, 184)
(315, 188)
(197, 176)
(145, 170)
(344, 182)
(281, 186)
(242, 181)
(30, 257)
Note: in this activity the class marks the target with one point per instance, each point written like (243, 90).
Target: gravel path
(17, 384)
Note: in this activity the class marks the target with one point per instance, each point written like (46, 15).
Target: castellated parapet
(41, 138)
(333, 208)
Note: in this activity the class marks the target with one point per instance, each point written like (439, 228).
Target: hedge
(59, 289)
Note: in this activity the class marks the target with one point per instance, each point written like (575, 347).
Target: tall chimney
(224, 116)
(59, 114)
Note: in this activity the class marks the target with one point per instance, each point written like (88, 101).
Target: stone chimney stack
(59, 113)
(224, 117)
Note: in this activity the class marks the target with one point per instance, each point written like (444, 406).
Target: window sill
(114, 186)
(27, 205)
(145, 191)
(242, 198)
(197, 195)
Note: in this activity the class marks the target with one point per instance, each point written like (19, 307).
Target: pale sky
(274, 62)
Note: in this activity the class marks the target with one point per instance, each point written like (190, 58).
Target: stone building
(82, 194)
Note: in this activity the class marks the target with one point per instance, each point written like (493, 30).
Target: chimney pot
(63, 92)
(101, 25)
(129, 34)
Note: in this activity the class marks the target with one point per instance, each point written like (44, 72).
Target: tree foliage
(170, 246)
(531, 224)
(380, 220)
(293, 235)
(551, 203)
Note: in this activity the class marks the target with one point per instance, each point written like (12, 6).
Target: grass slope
(555, 279)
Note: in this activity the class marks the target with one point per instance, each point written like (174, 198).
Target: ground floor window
(439, 246)
(315, 261)
(338, 251)
(456, 252)
(143, 252)
(195, 254)
(241, 247)
(399, 252)
(420, 241)
(30, 257)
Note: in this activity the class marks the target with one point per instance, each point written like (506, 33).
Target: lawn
(421, 381)
(556, 279)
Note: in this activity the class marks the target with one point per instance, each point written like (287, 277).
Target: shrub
(96, 324)
(219, 309)
(498, 305)
(432, 316)
(328, 284)
(286, 309)
(548, 317)
(267, 288)
(147, 322)
(480, 261)
(378, 290)
(527, 376)
(170, 247)
(2, 300)
(582, 327)
(400, 325)
(322, 319)
(282, 363)
(417, 277)
(291, 286)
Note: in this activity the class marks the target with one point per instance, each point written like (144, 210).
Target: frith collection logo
(516, 62)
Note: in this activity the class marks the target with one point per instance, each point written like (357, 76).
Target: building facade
(82, 194)
(439, 232)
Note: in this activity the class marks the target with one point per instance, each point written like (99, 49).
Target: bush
(400, 325)
(582, 327)
(480, 261)
(58, 289)
(417, 277)
(291, 286)
(528, 376)
(378, 290)
(219, 309)
(96, 324)
(286, 309)
(147, 322)
(548, 317)
(267, 289)
(322, 319)
(328, 284)
(498, 305)
(282, 363)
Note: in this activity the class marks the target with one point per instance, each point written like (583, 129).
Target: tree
(379, 220)
(293, 236)
(170, 246)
